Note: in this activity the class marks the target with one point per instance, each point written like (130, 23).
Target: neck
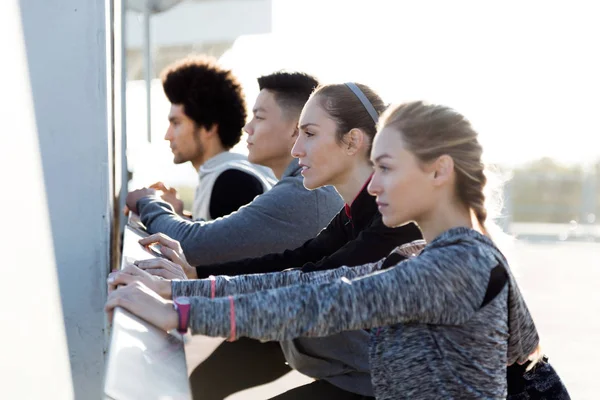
(209, 152)
(444, 217)
(279, 166)
(356, 179)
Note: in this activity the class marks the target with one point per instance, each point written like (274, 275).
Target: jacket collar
(292, 169)
(363, 207)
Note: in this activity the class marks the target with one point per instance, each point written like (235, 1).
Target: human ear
(443, 169)
(355, 140)
(212, 131)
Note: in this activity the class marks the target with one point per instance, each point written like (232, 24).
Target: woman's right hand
(171, 249)
(130, 274)
(163, 268)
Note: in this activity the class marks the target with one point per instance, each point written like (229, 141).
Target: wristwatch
(182, 306)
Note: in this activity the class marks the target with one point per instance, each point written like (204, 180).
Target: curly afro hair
(209, 95)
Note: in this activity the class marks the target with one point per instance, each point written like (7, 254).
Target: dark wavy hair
(209, 95)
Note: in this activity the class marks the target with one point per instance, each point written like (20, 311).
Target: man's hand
(135, 196)
(143, 302)
(170, 196)
(172, 250)
(131, 274)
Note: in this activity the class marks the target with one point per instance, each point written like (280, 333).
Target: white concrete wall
(65, 45)
(34, 362)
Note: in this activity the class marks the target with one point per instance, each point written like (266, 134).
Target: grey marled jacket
(431, 339)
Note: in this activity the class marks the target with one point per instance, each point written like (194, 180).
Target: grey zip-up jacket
(431, 337)
(282, 218)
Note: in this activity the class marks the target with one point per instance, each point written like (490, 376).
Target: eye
(308, 134)
(256, 117)
(382, 168)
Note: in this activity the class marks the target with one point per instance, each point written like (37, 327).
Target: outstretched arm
(438, 287)
(261, 227)
(221, 286)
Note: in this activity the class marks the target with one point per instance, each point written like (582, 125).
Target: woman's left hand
(146, 304)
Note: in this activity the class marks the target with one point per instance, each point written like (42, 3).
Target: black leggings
(320, 390)
(235, 366)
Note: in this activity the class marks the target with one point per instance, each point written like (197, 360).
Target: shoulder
(461, 257)
(291, 187)
(236, 178)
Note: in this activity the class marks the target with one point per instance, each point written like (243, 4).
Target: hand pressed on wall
(140, 300)
(171, 249)
(131, 274)
(162, 268)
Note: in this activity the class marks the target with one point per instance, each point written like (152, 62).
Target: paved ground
(561, 283)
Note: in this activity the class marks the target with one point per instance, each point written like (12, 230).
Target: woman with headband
(337, 126)
(444, 324)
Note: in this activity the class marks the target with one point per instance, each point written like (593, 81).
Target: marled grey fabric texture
(434, 341)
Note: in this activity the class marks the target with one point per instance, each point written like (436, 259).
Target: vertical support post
(148, 68)
(123, 96)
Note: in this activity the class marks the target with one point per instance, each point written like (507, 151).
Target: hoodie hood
(523, 337)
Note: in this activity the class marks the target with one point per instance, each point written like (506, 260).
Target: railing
(143, 361)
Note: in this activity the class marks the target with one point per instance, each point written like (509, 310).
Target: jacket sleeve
(244, 284)
(328, 241)
(259, 228)
(375, 242)
(438, 287)
(329, 250)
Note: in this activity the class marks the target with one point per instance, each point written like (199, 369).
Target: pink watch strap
(182, 305)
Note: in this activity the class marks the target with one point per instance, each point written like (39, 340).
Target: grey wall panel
(66, 49)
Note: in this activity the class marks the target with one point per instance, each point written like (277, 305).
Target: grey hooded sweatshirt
(430, 336)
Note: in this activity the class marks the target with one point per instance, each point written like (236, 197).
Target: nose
(169, 134)
(298, 149)
(248, 128)
(374, 188)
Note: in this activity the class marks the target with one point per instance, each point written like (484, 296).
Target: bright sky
(526, 73)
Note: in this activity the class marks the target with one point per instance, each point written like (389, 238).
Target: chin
(311, 184)
(390, 221)
(252, 159)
